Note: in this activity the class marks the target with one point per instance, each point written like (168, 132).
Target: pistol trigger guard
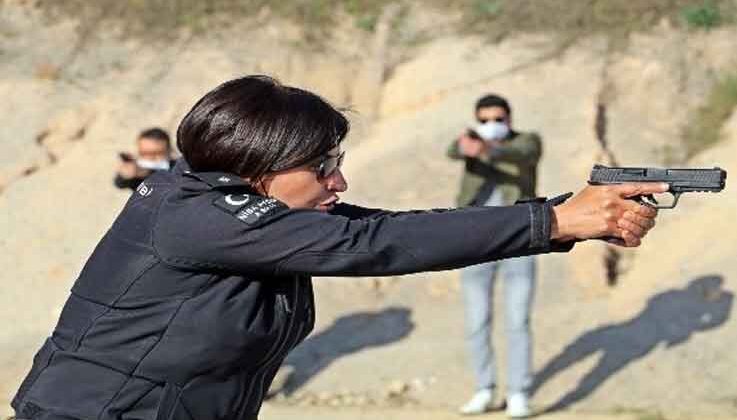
(648, 200)
(676, 196)
(652, 202)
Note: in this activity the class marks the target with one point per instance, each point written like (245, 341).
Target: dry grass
(494, 18)
(160, 19)
(577, 18)
(705, 129)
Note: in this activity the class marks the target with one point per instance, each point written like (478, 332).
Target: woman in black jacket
(201, 287)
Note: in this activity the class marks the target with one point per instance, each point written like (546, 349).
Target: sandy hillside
(660, 340)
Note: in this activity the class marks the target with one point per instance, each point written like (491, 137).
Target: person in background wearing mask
(154, 154)
(500, 169)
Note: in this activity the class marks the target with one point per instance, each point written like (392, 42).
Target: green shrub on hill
(703, 16)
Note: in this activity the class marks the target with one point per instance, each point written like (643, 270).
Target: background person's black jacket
(191, 301)
(132, 183)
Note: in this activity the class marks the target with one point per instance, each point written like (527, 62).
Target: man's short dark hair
(156, 133)
(254, 125)
(492, 100)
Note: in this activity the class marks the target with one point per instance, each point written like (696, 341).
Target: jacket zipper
(273, 352)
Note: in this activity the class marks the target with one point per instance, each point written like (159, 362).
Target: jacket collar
(216, 180)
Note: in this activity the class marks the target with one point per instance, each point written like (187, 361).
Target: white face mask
(154, 165)
(492, 130)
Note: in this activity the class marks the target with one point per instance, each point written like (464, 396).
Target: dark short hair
(492, 100)
(254, 125)
(156, 133)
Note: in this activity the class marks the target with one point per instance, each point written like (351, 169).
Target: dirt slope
(660, 340)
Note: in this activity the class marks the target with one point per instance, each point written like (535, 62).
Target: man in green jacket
(500, 168)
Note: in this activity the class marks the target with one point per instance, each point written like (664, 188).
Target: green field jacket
(511, 166)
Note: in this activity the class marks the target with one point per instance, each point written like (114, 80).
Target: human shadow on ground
(348, 334)
(670, 317)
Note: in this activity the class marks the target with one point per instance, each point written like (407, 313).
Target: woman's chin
(325, 207)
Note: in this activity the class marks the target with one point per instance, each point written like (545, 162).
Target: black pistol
(679, 180)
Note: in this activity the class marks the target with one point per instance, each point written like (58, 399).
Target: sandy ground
(271, 412)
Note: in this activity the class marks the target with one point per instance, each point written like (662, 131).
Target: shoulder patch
(249, 208)
(232, 203)
(259, 209)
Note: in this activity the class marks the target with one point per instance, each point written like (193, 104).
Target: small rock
(396, 388)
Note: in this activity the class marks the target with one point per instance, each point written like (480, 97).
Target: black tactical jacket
(201, 287)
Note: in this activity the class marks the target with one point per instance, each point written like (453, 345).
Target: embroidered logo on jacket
(144, 190)
(248, 208)
(252, 214)
(237, 200)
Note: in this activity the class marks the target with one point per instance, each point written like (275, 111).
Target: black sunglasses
(497, 119)
(328, 165)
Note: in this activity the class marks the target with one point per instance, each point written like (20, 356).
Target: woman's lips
(329, 204)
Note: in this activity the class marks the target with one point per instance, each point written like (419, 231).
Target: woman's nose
(337, 182)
